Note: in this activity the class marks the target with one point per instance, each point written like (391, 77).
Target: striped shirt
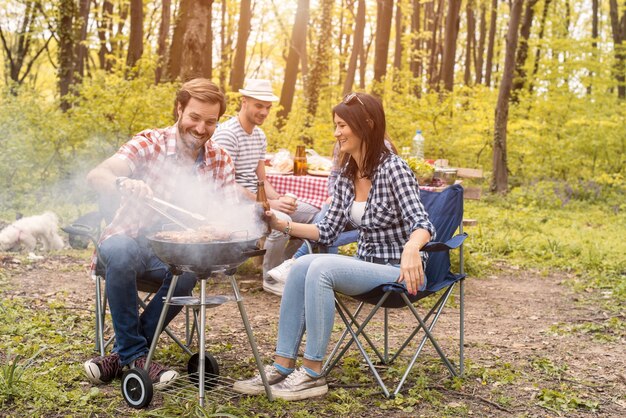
(245, 149)
(393, 210)
(151, 156)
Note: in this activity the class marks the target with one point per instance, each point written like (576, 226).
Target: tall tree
(618, 26)
(594, 37)
(297, 50)
(542, 27)
(434, 17)
(480, 49)
(500, 180)
(522, 50)
(67, 12)
(81, 52)
(492, 41)
(104, 23)
(22, 49)
(384, 16)
(470, 42)
(164, 30)
(195, 47)
(357, 47)
(237, 74)
(318, 77)
(174, 60)
(135, 40)
(416, 47)
(449, 49)
(397, 55)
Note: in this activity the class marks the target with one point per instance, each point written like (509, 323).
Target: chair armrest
(452, 243)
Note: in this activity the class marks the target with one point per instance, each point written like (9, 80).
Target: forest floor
(533, 347)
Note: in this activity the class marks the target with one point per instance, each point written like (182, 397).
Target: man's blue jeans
(308, 301)
(125, 260)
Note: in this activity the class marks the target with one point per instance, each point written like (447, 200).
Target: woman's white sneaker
(254, 386)
(299, 385)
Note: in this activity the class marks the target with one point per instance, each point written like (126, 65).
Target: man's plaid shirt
(393, 210)
(151, 156)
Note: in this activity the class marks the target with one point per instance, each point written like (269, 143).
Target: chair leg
(461, 326)
(99, 320)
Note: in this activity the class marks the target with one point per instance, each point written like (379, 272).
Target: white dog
(27, 231)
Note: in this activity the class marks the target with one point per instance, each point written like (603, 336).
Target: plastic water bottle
(418, 144)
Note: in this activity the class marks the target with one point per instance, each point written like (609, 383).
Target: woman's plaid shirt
(393, 210)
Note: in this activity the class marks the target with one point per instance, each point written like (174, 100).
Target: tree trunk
(500, 178)
(238, 71)
(522, 51)
(542, 27)
(594, 36)
(207, 63)
(297, 48)
(81, 48)
(618, 25)
(105, 32)
(164, 31)
(492, 42)
(194, 55)
(470, 42)
(397, 55)
(384, 15)
(480, 50)
(436, 16)
(67, 11)
(117, 48)
(357, 47)
(416, 50)
(449, 50)
(174, 61)
(135, 41)
(318, 78)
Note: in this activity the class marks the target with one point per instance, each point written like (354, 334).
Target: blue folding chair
(445, 210)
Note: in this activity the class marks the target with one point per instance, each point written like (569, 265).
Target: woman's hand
(272, 220)
(411, 268)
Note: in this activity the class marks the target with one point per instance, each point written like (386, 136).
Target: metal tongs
(150, 202)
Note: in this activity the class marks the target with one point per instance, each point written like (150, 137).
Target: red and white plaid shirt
(151, 156)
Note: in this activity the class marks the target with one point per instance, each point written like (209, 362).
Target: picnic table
(310, 189)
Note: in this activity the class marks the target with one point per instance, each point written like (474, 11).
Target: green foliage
(563, 401)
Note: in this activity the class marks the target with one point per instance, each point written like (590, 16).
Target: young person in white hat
(245, 141)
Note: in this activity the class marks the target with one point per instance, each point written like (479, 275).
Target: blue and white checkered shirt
(393, 210)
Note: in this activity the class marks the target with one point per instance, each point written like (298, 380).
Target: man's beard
(190, 140)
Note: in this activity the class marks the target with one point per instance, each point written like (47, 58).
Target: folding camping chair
(445, 210)
(91, 231)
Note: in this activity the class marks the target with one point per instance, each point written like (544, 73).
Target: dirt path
(519, 343)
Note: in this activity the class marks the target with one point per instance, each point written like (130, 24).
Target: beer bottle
(262, 202)
(299, 161)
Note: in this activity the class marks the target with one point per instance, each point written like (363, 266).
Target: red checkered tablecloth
(310, 189)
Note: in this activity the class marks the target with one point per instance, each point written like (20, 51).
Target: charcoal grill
(203, 259)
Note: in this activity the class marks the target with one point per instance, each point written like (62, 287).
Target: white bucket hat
(258, 89)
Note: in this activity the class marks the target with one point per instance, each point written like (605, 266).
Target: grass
(40, 340)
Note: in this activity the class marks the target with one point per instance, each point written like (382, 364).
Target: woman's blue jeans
(125, 260)
(308, 301)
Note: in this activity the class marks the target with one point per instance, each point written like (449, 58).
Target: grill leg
(253, 346)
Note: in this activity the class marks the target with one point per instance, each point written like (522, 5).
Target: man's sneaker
(280, 272)
(103, 369)
(159, 374)
(299, 385)
(254, 386)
